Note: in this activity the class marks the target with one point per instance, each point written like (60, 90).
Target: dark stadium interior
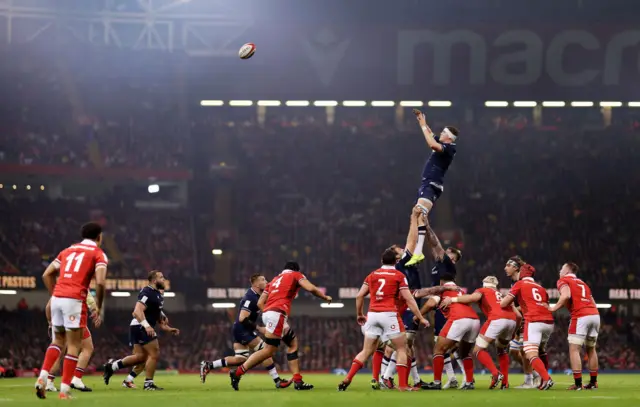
(90, 128)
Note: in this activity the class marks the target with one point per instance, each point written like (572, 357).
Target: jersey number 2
(70, 259)
(382, 282)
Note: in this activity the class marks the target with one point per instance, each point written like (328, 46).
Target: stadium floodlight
(169, 294)
(297, 103)
(581, 104)
(496, 103)
(439, 103)
(8, 292)
(553, 103)
(121, 294)
(223, 305)
(354, 103)
(216, 252)
(332, 305)
(610, 104)
(240, 103)
(325, 103)
(525, 103)
(411, 103)
(28, 187)
(269, 103)
(383, 103)
(603, 306)
(153, 188)
(633, 104)
(211, 103)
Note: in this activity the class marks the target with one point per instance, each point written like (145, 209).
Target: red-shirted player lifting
(388, 290)
(584, 326)
(281, 291)
(461, 328)
(500, 326)
(77, 265)
(538, 325)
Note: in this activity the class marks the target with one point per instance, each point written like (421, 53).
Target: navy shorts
(430, 192)
(409, 324)
(438, 322)
(242, 335)
(139, 336)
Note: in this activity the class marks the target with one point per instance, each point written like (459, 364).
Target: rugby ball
(247, 50)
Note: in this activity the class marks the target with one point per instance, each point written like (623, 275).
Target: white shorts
(383, 325)
(465, 329)
(68, 313)
(536, 333)
(499, 329)
(584, 327)
(274, 323)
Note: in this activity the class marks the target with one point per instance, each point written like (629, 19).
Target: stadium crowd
(325, 343)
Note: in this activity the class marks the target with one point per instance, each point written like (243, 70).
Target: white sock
(528, 378)
(385, 365)
(536, 375)
(460, 364)
(115, 366)
(49, 382)
(44, 375)
(130, 378)
(448, 368)
(217, 364)
(418, 249)
(65, 388)
(274, 373)
(391, 369)
(415, 376)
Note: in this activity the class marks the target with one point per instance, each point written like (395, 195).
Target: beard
(159, 285)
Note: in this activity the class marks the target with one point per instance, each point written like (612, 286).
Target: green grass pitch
(258, 390)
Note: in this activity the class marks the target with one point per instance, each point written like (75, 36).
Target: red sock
(377, 364)
(438, 367)
(403, 376)
(241, 370)
(538, 366)
(79, 372)
(484, 358)
(503, 358)
(53, 353)
(355, 366)
(297, 378)
(545, 360)
(68, 367)
(468, 369)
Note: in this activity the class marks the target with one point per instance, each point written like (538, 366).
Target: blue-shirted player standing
(443, 149)
(445, 264)
(245, 338)
(142, 335)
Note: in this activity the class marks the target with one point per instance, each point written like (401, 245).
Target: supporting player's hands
(361, 320)
(422, 120)
(446, 301)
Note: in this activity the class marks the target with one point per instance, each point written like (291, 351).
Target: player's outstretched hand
(328, 299)
(174, 331)
(361, 320)
(424, 322)
(445, 302)
(422, 120)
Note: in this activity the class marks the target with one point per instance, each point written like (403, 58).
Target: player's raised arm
(433, 242)
(437, 290)
(463, 299)
(565, 296)
(49, 275)
(308, 286)
(426, 131)
(507, 300)
(430, 305)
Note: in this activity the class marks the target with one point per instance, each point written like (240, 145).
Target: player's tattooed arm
(565, 295)
(437, 290)
(431, 304)
(434, 243)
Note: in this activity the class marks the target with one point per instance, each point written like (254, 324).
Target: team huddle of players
(394, 316)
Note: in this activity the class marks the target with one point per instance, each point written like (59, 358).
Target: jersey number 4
(73, 258)
(276, 283)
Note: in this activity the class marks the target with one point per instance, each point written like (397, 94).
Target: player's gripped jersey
(444, 266)
(410, 272)
(282, 290)
(384, 289)
(249, 303)
(437, 165)
(456, 310)
(490, 305)
(77, 265)
(581, 303)
(532, 298)
(154, 302)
